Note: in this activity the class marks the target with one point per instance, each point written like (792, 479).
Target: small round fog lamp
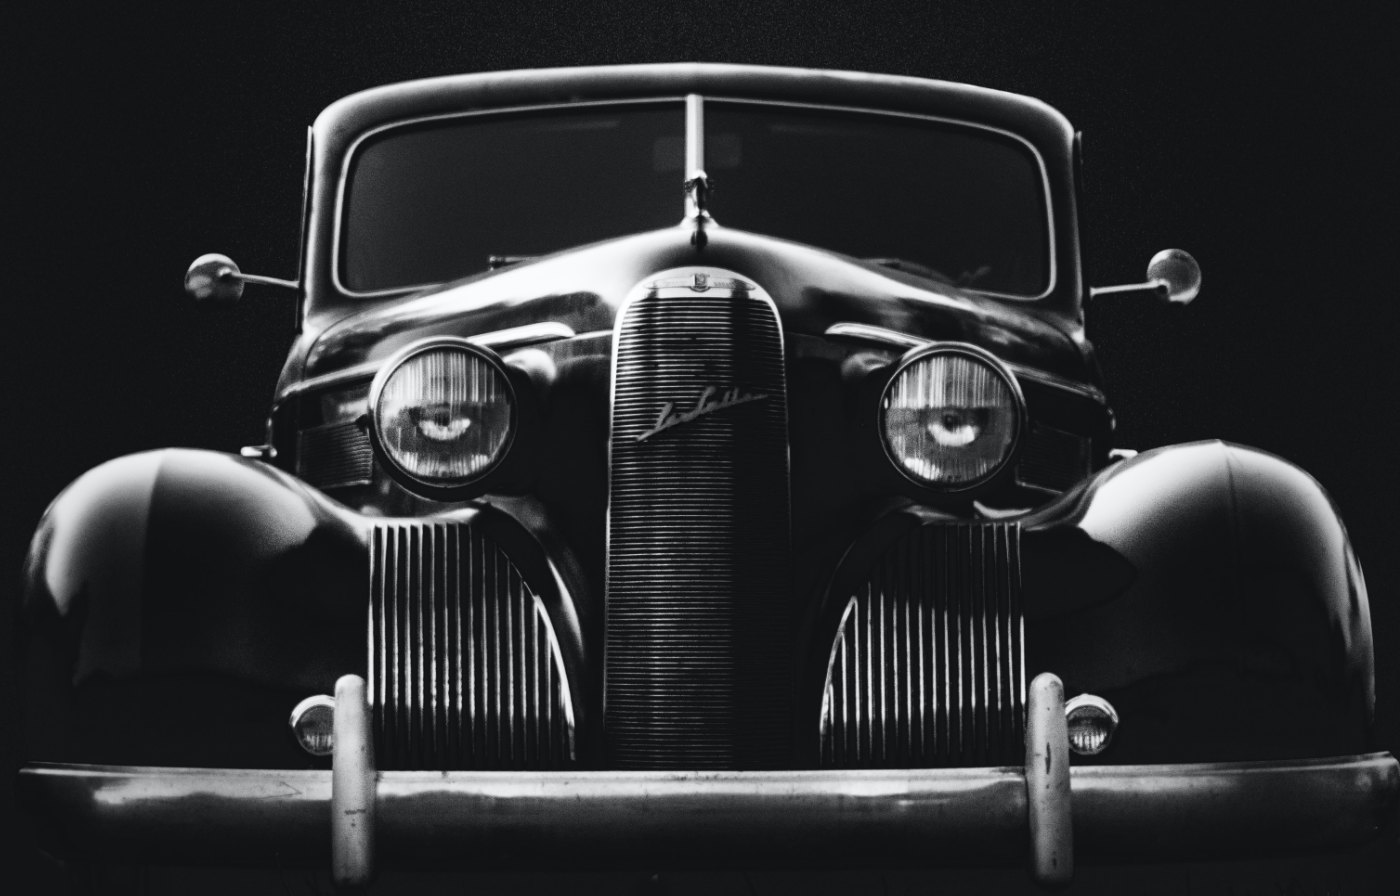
(313, 724)
(1091, 721)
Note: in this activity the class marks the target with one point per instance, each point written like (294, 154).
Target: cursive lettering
(710, 400)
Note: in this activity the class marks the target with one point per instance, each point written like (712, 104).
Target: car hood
(585, 288)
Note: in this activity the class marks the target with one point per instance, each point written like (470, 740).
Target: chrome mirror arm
(1159, 289)
(1172, 276)
(216, 277)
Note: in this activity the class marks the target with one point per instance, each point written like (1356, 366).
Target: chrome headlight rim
(1020, 418)
(433, 490)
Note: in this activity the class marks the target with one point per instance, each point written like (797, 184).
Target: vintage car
(702, 462)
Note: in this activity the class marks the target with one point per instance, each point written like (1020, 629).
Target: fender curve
(1210, 592)
(174, 598)
(179, 603)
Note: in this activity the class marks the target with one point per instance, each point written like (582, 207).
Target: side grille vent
(927, 667)
(464, 668)
(698, 667)
(1052, 460)
(335, 455)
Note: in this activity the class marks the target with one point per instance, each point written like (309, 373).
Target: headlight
(443, 413)
(950, 417)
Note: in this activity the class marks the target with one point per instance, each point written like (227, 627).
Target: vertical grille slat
(697, 654)
(466, 672)
(927, 662)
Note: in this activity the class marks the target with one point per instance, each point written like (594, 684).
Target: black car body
(673, 454)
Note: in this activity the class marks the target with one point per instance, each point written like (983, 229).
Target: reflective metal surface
(216, 278)
(494, 819)
(1172, 275)
(698, 638)
(1178, 272)
(465, 670)
(353, 797)
(1048, 789)
(928, 664)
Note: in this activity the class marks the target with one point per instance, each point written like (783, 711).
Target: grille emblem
(711, 400)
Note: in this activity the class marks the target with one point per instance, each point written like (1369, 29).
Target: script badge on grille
(712, 399)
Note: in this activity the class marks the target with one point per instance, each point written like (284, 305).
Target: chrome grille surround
(927, 665)
(698, 670)
(465, 671)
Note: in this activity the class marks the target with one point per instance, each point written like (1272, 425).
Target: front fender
(177, 601)
(1210, 592)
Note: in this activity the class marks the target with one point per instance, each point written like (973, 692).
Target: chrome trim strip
(131, 813)
(1053, 279)
(497, 340)
(338, 221)
(896, 339)
(519, 337)
(565, 699)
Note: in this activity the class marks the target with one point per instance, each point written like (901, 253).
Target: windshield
(433, 202)
(966, 202)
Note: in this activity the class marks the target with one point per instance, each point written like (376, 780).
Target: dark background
(1266, 145)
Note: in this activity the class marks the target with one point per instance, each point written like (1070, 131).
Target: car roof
(339, 125)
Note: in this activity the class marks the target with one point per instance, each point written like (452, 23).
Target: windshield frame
(338, 217)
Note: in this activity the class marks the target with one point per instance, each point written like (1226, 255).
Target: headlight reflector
(950, 417)
(443, 413)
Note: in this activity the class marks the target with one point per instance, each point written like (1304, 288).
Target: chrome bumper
(353, 815)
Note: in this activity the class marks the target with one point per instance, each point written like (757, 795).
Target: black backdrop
(1264, 143)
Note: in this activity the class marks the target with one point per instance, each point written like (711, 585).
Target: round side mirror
(214, 278)
(1177, 272)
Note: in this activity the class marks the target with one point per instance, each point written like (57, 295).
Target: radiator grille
(698, 671)
(465, 671)
(927, 667)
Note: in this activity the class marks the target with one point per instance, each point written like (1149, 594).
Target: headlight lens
(950, 417)
(444, 414)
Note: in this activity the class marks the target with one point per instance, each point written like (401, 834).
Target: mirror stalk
(217, 278)
(1172, 276)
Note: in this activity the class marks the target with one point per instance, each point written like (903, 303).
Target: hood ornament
(697, 182)
(710, 401)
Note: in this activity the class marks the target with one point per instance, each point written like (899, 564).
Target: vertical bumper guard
(352, 786)
(1047, 782)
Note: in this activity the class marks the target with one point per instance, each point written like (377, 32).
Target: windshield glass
(433, 202)
(967, 202)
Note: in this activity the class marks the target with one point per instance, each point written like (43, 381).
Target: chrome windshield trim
(497, 340)
(1053, 245)
(338, 219)
(896, 339)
